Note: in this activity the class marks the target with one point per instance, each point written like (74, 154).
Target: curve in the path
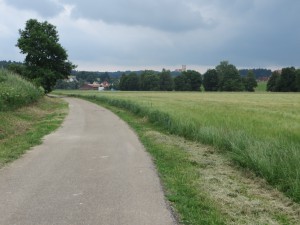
(93, 170)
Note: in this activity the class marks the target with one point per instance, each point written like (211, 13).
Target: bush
(15, 91)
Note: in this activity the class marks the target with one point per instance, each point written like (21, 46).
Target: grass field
(203, 186)
(260, 131)
(261, 86)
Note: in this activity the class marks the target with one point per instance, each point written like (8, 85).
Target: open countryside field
(260, 131)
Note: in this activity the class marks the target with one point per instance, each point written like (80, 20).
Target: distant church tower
(183, 68)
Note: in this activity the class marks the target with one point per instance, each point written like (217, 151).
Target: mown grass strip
(25, 127)
(178, 173)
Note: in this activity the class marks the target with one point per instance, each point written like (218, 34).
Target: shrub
(15, 91)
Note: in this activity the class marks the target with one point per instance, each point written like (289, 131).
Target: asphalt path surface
(93, 170)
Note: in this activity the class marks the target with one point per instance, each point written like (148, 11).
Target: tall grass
(259, 131)
(15, 91)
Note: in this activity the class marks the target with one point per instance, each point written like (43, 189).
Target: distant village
(96, 86)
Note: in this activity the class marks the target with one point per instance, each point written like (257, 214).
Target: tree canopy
(297, 80)
(130, 82)
(165, 81)
(46, 60)
(286, 80)
(190, 80)
(211, 80)
(149, 81)
(250, 81)
(229, 77)
(272, 82)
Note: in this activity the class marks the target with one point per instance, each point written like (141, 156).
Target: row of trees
(91, 76)
(286, 80)
(225, 77)
(259, 72)
(6, 64)
(153, 81)
(148, 81)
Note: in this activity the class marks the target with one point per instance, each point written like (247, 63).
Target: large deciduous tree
(250, 81)
(188, 81)
(211, 80)
(165, 81)
(180, 84)
(130, 82)
(46, 60)
(272, 84)
(149, 81)
(297, 85)
(287, 80)
(194, 78)
(229, 77)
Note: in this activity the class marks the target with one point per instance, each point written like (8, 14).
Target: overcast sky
(154, 34)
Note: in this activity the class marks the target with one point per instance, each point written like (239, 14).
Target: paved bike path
(93, 170)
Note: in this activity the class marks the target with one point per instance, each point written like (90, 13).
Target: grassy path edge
(24, 128)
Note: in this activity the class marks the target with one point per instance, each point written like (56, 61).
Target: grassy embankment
(15, 91)
(259, 131)
(25, 116)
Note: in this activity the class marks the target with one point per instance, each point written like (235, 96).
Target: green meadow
(259, 131)
(261, 86)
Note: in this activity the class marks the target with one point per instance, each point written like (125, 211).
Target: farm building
(95, 86)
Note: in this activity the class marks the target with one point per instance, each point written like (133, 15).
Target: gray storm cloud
(253, 33)
(170, 15)
(46, 8)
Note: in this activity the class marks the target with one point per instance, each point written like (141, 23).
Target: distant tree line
(148, 80)
(67, 85)
(91, 76)
(225, 77)
(16, 67)
(285, 80)
(259, 73)
(6, 64)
